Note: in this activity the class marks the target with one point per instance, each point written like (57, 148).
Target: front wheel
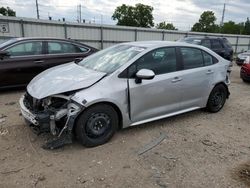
(217, 98)
(96, 125)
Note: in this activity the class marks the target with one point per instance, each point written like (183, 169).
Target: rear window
(192, 40)
(227, 43)
(216, 44)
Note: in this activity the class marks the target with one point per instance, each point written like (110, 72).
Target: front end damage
(55, 114)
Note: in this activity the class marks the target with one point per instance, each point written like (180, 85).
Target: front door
(159, 96)
(24, 63)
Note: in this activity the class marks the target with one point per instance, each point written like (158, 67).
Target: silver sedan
(124, 85)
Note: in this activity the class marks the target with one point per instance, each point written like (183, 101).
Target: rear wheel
(217, 98)
(96, 125)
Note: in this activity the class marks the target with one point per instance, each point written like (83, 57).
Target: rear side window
(216, 44)
(192, 58)
(60, 47)
(26, 49)
(206, 43)
(208, 59)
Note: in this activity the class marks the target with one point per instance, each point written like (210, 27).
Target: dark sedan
(21, 59)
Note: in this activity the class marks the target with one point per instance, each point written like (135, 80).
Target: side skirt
(164, 116)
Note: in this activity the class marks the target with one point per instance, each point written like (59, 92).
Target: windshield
(111, 59)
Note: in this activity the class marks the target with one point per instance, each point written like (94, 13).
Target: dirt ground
(200, 149)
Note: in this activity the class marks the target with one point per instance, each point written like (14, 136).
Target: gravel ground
(200, 149)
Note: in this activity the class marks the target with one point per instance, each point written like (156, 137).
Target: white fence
(101, 36)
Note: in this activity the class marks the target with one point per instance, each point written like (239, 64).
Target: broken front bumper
(28, 116)
(40, 122)
(46, 120)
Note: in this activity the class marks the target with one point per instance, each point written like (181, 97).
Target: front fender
(115, 94)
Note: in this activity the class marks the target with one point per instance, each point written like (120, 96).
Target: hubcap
(217, 99)
(98, 125)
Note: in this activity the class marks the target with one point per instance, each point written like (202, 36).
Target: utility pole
(80, 10)
(223, 14)
(37, 10)
(101, 19)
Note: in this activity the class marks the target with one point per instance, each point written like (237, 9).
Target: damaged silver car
(124, 85)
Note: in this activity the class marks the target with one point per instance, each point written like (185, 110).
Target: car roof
(154, 44)
(204, 37)
(14, 40)
(44, 38)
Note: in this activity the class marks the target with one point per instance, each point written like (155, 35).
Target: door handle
(209, 72)
(176, 79)
(38, 61)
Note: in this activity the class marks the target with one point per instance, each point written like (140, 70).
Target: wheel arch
(225, 85)
(116, 108)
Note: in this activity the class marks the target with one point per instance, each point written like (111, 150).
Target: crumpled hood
(63, 78)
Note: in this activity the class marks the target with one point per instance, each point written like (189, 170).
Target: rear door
(197, 76)
(60, 52)
(25, 62)
(158, 96)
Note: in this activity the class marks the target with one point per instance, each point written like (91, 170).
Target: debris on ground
(207, 142)
(81, 180)
(242, 173)
(10, 103)
(152, 144)
(2, 116)
(2, 120)
(12, 171)
(37, 178)
(3, 132)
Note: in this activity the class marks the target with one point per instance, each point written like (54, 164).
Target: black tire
(96, 125)
(217, 98)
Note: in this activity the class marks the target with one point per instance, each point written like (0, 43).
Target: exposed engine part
(73, 110)
(53, 125)
(59, 114)
(55, 114)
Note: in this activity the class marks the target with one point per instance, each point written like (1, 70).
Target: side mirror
(4, 54)
(144, 74)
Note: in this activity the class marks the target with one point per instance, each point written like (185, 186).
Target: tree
(232, 28)
(138, 16)
(206, 23)
(164, 25)
(7, 11)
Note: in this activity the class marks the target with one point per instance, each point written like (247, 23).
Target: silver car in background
(125, 85)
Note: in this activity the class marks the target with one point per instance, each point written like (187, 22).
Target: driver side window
(161, 61)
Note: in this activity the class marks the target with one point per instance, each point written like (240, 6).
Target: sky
(182, 13)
